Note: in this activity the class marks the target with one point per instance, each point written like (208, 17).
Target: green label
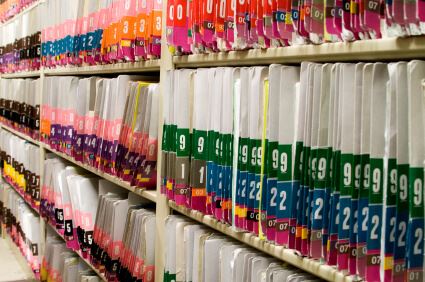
(272, 159)
(357, 170)
(226, 151)
(416, 192)
(305, 166)
(365, 176)
(165, 139)
(376, 181)
(183, 142)
(211, 145)
(284, 172)
(312, 167)
(322, 168)
(402, 187)
(200, 144)
(254, 156)
(243, 153)
(346, 172)
(336, 162)
(298, 160)
(392, 182)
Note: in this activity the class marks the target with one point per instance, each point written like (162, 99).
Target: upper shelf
(23, 11)
(362, 50)
(24, 74)
(143, 66)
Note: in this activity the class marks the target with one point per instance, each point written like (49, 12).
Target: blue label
(271, 192)
(415, 239)
(344, 217)
(354, 221)
(280, 16)
(318, 208)
(374, 227)
(333, 228)
(82, 42)
(390, 227)
(363, 216)
(401, 234)
(211, 172)
(90, 40)
(250, 191)
(300, 204)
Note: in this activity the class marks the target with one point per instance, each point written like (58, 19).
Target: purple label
(77, 146)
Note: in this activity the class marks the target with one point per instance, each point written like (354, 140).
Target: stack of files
(100, 31)
(22, 225)
(10, 8)
(212, 26)
(124, 237)
(69, 202)
(61, 264)
(20, 41)
(90, 213)
(109, 124)
(195, 253)
(20, 105)
(20, 163)
(325, 159)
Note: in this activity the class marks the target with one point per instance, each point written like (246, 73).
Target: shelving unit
(369, 50)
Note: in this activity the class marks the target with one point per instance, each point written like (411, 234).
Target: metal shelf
(20, 135)
(150, 195)
(136, 67)
(323, 271)
(78, 253)
(362, 50)
(21, 195)
(24, 74)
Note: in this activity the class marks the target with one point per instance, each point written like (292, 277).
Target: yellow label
(304, 233)
(388, 263)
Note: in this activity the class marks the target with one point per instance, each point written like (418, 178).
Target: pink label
(116, 129)
(79, 123)
(149, 273)
(87, 223)
(372, 269)
(117, 247)
(67, 210)
(343, 252)
(152, 151)
(108, 128)
(89, 125)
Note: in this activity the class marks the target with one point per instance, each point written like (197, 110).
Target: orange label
(141, 25)
(156, 17)
(126, 28)
(199, 192)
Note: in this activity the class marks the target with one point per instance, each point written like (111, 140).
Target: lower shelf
(323, 271)
(78, 253)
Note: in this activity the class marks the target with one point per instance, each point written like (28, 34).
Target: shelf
(21, 195)
(24, 74)
(325, 272)
(363, 50)
(23, 11)
(137, 67)
(20, 135)
(150, 195)
(78, 253)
